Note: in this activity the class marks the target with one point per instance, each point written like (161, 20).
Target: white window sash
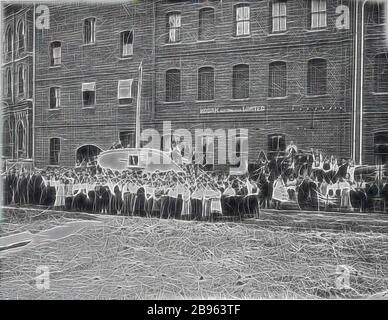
(89, 86)
(57, 95)
(124, 90)
(57, 55)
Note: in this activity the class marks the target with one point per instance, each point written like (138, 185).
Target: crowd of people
(191, 194)
(311, 183)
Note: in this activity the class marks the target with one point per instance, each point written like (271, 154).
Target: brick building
(17, 72)
(284, 70)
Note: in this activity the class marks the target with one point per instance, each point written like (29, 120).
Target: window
(21, 36)
(8, 82)
(317, 77)
(241, 81)
(174, 27)
(21, 80)
(206, 24)
(318, 14)
(20, 141)
(126, 43)
(374, 13)
(55, 149)
(124, 91)
(242, 20)
(276, 142)
(89, 30)
(127, 139)
(55, 97)
(55, 53)
(206, 83)
(277, 79)
(89, 94)
(173, 85)
(279, 16)
(381, 73)
(381, 147)
(8, 41)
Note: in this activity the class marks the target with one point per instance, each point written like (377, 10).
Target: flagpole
(139, 87)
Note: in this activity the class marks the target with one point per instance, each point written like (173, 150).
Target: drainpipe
(355, 55)
(33, 86)
(362, 77)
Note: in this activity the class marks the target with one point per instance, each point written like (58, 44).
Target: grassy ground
(282, 255)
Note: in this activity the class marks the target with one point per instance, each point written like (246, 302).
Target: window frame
(57, 100)
(378, 71)
(244, 21)
(51, 53)
(270, 138)
(8, 82)
(199, 98)
(21, 68)
(211, 35)
(126, 100)
(95, 96)
(21, 49)
(271, 90)
(234, 79)
(169, 28)
(180, 86)
(51, 151)
(310, 91)
(278, 17)
(318, 13)
(121, 37)
(8, 42)
(92, 31)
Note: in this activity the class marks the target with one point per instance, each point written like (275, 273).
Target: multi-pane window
(318, 14)
(317, 77)
(55, 53)
(89, 94)
(174, 27)
(276, 142)
(240, 81)
(124, 91)
(279, 15)
(381, 73)
(206, 83)
(21, 36)
(277, 79)
(173, 85)
(55, 149)
(242, 19)
(89, 30)
(55, 97)
(206, 24)
(126, 43)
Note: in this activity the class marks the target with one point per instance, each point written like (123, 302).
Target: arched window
(8, 91)
(55, 148)
(206, 24)
(206, 83)
(20, 141)
(6, 140)
(173, 85)
(8, 41)
(317, 77)
(277, 79)
(55, 53)
(89, 30)
(21, 36)
(381, 73)
(21, 80)
(88, 153)
(241, 81)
